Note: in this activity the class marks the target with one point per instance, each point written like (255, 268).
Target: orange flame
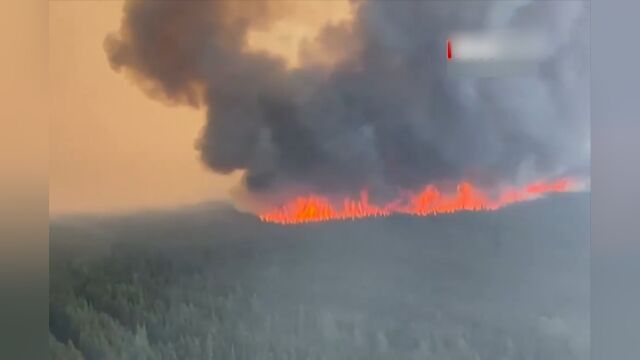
(429, 201)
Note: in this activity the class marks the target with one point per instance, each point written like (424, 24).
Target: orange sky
(114, 149)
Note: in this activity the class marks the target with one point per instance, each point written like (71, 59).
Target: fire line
(429, 201)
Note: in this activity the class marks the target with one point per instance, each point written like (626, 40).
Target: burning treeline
(429, 201)
(362, 100)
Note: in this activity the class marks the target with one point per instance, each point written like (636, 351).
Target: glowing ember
(429, 201)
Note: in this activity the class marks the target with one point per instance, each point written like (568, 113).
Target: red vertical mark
(449, 55)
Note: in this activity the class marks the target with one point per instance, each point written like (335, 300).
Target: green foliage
(380, 290)
(110, 314)
(60, 351)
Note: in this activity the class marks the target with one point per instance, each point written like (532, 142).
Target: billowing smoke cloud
(385, 115)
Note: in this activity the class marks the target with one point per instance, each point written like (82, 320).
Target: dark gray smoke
(386, 116)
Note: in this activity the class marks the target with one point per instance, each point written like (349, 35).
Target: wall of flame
(429, 201)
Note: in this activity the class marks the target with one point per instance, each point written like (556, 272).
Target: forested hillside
(210, 283)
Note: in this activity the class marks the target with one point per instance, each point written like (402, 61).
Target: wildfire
(429, 201)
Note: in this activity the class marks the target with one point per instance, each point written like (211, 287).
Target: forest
(209, 282)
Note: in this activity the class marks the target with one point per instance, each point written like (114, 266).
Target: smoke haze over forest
(361, 107)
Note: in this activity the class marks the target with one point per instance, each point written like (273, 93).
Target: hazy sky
(103, 156)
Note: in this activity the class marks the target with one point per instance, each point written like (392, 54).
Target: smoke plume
(383, 114)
